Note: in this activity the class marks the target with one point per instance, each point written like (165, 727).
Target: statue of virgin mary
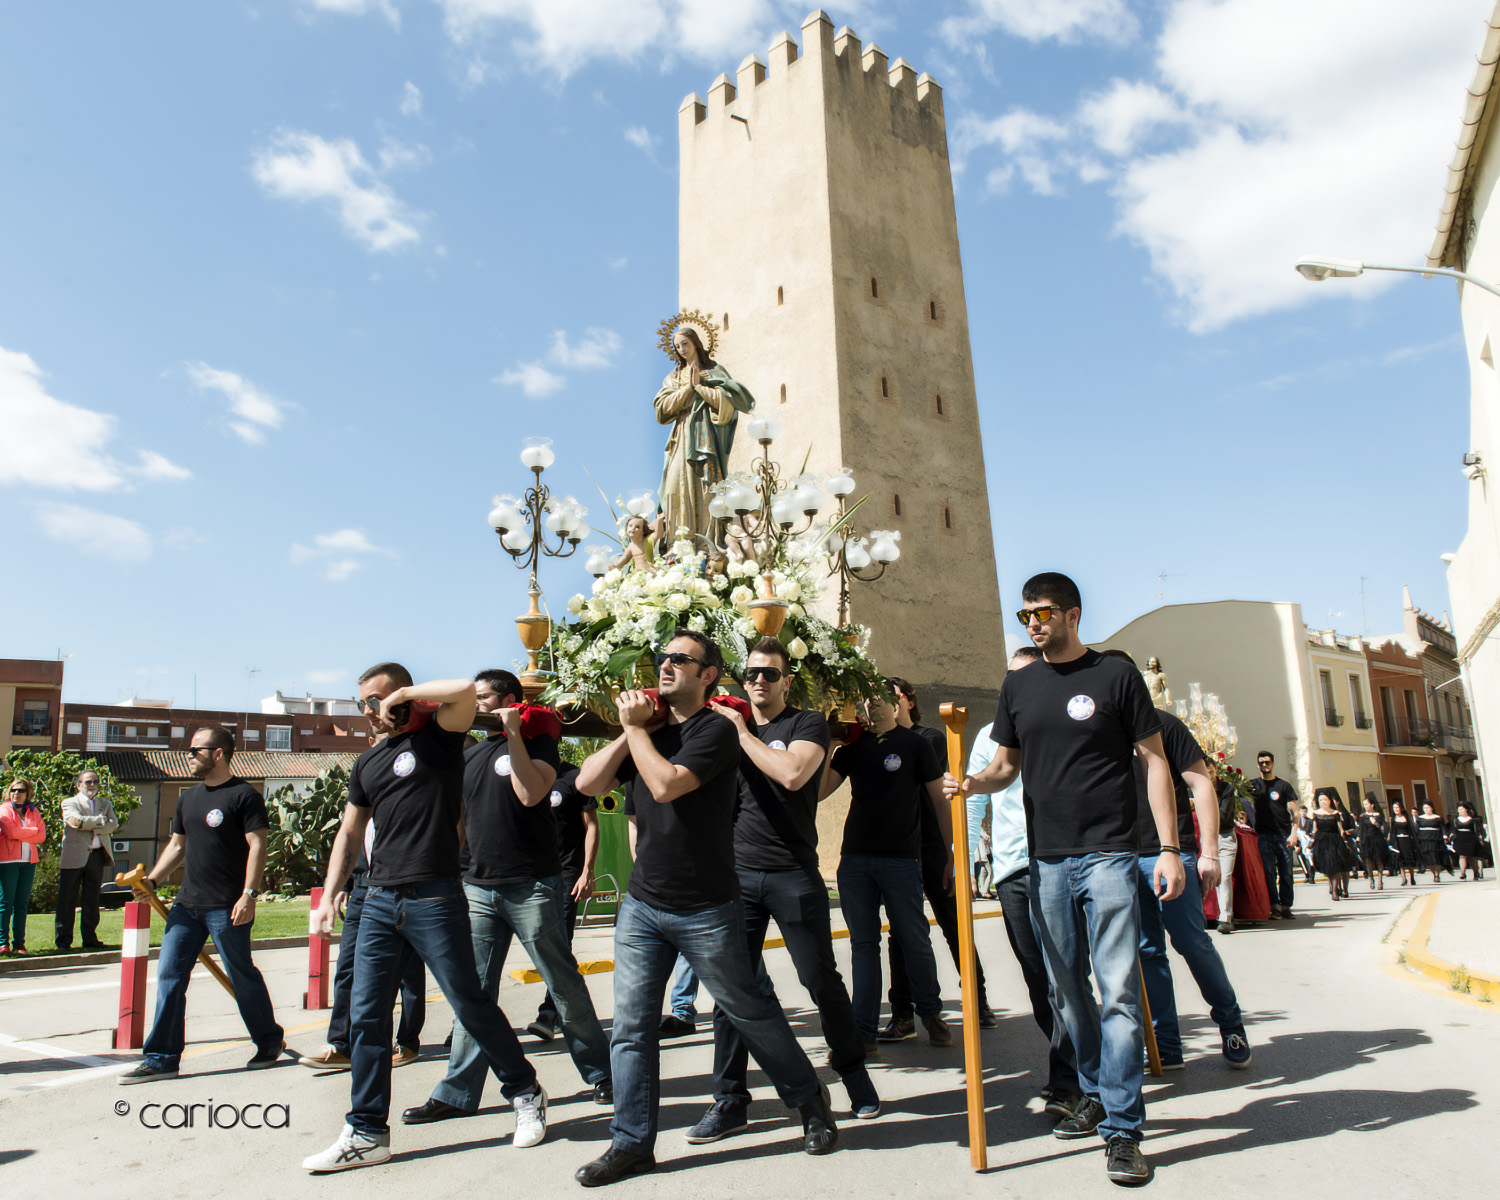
(702, 403)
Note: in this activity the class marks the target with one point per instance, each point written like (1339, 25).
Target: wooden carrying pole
(1153, 1054)
(955, 719)
(136, 878)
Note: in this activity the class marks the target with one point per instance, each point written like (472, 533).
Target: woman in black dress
(1330, 854)
(1430, 836)
(1349, 827)
(1372, 842)
(1404, 841)
(1468, 838)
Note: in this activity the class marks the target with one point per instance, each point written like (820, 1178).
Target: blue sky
(286, 283)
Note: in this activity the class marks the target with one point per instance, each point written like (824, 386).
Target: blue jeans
(413, 982)
(187, 931)
(1085, 909)
(1182, 918)
(430, 920)
(533, 912)
(647, 942)
(865, 881)
(684, 998)
(1276, 857)
(1020, 928)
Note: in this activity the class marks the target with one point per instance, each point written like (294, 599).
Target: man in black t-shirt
(939, 894)
(682, 772)
(514, 887)
(892, 776)
(1068, 725)
(577, 819)
(411, 785)
(1182, 918)
(219, 840)
(1276, 813)
(776, 857)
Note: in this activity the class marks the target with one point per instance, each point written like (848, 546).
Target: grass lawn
(282, 919)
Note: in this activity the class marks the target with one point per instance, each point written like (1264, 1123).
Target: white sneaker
(353, 1149)
(531, 1119)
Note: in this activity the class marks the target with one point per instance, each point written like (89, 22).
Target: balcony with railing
(1332, 718)
(32, 729)
(1363, 720)
(1459, 742)
(1408, 732)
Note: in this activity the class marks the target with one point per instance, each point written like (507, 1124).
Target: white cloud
(321, 676)
(411, 100)
(1039, 20)
(619, 263)
(561, 36)
(397, 156)
(334, 553)
(254, 410)
(594, 352)
(641, 138)
(533, 379)
(1271, 129)
(50, 443)
(155, 467)
(102, 535)
(358, 8)
(302, 166)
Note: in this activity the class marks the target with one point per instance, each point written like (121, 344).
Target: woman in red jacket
(21, 831)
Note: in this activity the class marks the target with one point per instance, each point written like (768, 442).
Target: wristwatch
(250, 891)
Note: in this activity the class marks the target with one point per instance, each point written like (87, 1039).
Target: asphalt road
(1364, 1079)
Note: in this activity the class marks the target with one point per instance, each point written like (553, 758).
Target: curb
(1481, 986)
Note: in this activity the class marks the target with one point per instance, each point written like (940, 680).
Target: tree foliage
(302, 830)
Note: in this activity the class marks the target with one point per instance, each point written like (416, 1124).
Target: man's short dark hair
(1121, 655)
(908, 693)
(504, 682)
(218, 738)
(393, 671)
(1026, 653)
(1260, 754)
(1054, 586)
(712, 655)
(773, 645)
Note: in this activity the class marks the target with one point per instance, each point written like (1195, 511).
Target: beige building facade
(817, 227)
(1302, 694)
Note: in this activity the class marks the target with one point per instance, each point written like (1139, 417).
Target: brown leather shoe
(937, 1030)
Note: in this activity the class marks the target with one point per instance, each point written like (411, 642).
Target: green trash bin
(613, 865)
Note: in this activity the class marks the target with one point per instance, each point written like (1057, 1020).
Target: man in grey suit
(88, 821)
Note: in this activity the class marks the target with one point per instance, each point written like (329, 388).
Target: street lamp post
(1318, 269)
(536, 509)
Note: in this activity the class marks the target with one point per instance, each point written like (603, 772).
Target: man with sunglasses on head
(776, 857)
(514, 887)
(892, 773)
(1072, 725)
(937, 886)
(88, 819)
(411, 785)
(682, 772)
(219, 841)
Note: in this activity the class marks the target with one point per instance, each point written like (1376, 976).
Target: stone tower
(816, 224)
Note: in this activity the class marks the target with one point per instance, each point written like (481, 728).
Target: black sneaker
(722, 1119)
(266, 1058)
(1085, 1119)
(1124, 1162)
(542, 1029)
(674, 1026)
(1061, 1103)
(898, 1029)
(987, 1017)
(1236, 1047)
(864, 1102)
(144, 1072)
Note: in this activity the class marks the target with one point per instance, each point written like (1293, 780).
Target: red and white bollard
(316, 995)
(135, 958)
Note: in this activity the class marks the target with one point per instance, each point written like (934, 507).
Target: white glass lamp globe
(883, 547)
(515, 539)
(856, 555)
(505, 514)
(536, 453)
(840, 483)
(597, 562)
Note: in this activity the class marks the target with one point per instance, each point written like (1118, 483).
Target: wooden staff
(1153, 1055)
(955, 719)
(136, 878)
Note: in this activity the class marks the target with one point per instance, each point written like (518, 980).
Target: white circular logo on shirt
(778, 744)
(1275, 795)
(1081, 708)
(406, 763)
(502, 765)
(892, 762)
(215, 818)
(556, 799)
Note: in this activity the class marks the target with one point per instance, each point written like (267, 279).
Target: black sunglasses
(769, 674)
(678, 659)
(1043, 613)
